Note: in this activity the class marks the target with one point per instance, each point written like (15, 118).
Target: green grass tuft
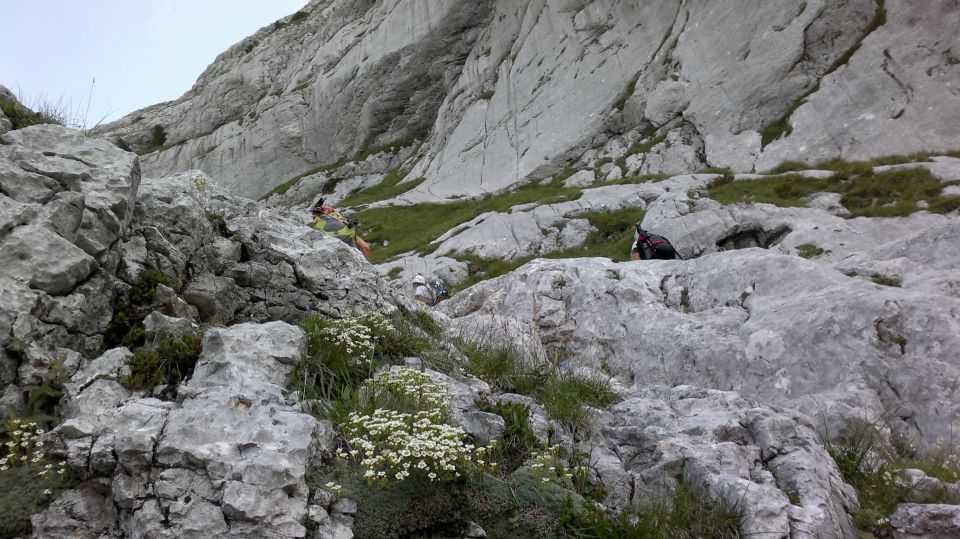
(21, 116)
(686, 515)
(893, 193)
(870, 466)
(389, 187)
(883, 280)
(563, 393)
(126, 325)
(171, 362)
(518, 440)
(809, 250)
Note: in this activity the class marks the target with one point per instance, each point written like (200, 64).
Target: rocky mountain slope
(507, 91)
(798, 365)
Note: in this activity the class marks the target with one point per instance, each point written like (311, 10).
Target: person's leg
(364, 248)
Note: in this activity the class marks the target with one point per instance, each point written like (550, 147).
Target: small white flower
(46, 492)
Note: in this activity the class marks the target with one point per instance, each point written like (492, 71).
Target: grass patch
(714, 170)
(503, 367)
(809, 250)
(563, 393)
(24, 493)
(893, 193)
(871, 468)
(169, 363)
(612, 239)
(337, 363)
(285, 186)
(489, 268)
(781, 127)
(518, 440)
(21, 116)
(388, 188)
(158, 141)
(627, 93)
(883, 280)
(686, 515)
(520, 505)
(412, 228)
(219, 224)
(126, 325)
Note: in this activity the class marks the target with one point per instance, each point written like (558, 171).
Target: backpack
(652, 246)
(438, 291)
(335, 225)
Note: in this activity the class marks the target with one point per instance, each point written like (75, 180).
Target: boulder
(767, 462)
(920, 521)
(230, 450)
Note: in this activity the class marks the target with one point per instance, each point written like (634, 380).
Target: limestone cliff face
(509, 90)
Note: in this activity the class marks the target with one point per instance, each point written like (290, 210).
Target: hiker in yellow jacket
(329, 221)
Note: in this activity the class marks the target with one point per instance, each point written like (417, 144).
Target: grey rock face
(901, 80)
(376, 73)
(65, 201)
(917, 521)
(228, 459)
(270, 266)
(740, 453)
(775, 328)
(84, 513)
(509, 90)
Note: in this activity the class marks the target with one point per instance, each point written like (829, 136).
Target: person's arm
(634, 255)
(364, 247)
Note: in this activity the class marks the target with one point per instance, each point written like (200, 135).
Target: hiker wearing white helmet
(420, 290)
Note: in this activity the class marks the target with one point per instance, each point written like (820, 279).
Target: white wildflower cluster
(391, 446)
(415, 388)
(377, 323)
(24, 448)
(351, 337)
(551, 468)
(334, 487)
(355, 336)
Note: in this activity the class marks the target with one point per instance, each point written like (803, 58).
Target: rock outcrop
(769, 463)
(228, 459)
(776, 328)
(78, 224)
(512, 90)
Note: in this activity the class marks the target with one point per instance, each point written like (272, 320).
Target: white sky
(140, 52)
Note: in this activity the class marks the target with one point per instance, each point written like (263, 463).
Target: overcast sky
(140, 52)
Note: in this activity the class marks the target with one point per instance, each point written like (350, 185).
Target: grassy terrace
(612, 240)
(892, 193)
(412, 228)
(865, 193)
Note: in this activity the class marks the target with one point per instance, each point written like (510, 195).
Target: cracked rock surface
(229, 458)
(509, 90)
(776, 328)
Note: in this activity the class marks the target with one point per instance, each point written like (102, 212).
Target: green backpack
(335, 225)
